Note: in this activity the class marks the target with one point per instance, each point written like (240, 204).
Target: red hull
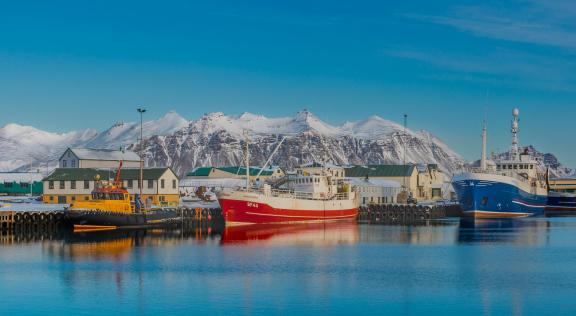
(237, 212)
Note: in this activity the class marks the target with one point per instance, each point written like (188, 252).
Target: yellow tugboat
(110, 208)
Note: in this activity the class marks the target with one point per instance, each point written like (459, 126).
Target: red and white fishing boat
(305, 198)
(313, 198)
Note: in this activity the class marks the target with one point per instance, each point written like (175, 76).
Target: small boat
(111, 208)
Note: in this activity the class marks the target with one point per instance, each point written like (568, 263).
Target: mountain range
(217, 139)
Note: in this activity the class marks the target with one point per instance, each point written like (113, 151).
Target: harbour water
(452, 267)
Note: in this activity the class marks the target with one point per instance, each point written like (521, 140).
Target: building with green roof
(67, 185)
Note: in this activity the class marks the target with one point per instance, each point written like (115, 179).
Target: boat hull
(561, 204)
(490, 196)
(247, 208)
(94, 219)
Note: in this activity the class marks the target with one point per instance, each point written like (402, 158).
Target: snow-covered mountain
(27, 148)
(23, 145)
(217, 139)
(123, 133)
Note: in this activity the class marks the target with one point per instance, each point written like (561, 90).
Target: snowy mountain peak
(305, 121)
(247, 116)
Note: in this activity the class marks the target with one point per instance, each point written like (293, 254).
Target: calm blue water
(525, 267)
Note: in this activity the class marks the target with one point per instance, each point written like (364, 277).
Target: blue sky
(73, 64)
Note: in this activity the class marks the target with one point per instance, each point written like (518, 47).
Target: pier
(400, 214)
(39, 222)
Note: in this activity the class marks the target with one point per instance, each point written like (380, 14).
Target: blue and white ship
(503, 188)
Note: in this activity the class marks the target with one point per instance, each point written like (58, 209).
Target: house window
(62, 185)
(162, 183)
(73, 163)
(86, 184)
(174, 184)
(51, 185)
(130, 184)
(73, 184)
(64, 164)
(150, 184)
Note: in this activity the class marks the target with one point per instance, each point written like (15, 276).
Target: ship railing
(285, 193)
(500, 173)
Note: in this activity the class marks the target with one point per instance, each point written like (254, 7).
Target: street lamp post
(141, 180)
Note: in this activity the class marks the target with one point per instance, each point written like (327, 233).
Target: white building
(376, 191)
(98, 158)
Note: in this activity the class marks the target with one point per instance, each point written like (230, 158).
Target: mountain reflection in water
(448, 267)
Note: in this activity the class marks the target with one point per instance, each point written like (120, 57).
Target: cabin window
(150, 184)
(8, 184)
(62, 185)
(515, 166)
(162, 183)
(174, 184)
(51, 198)
(86, 184)
(73, 184)
(86, 198)
(130, 184)
(24, 185)
(73, 198)
(51, 185)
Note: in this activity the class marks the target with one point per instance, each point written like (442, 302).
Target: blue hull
(492, 199)
(561, 205)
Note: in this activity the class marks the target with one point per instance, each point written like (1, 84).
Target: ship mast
(484, 141)
(247, 161)
(514, 151)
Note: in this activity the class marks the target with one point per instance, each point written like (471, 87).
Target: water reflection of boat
(321, 234)
(119, 244)
(523, 232)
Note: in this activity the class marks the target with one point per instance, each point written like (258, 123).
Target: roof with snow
(79, 174)
(104, 154)
(205, 171)
(379, 171)
(22, 177)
